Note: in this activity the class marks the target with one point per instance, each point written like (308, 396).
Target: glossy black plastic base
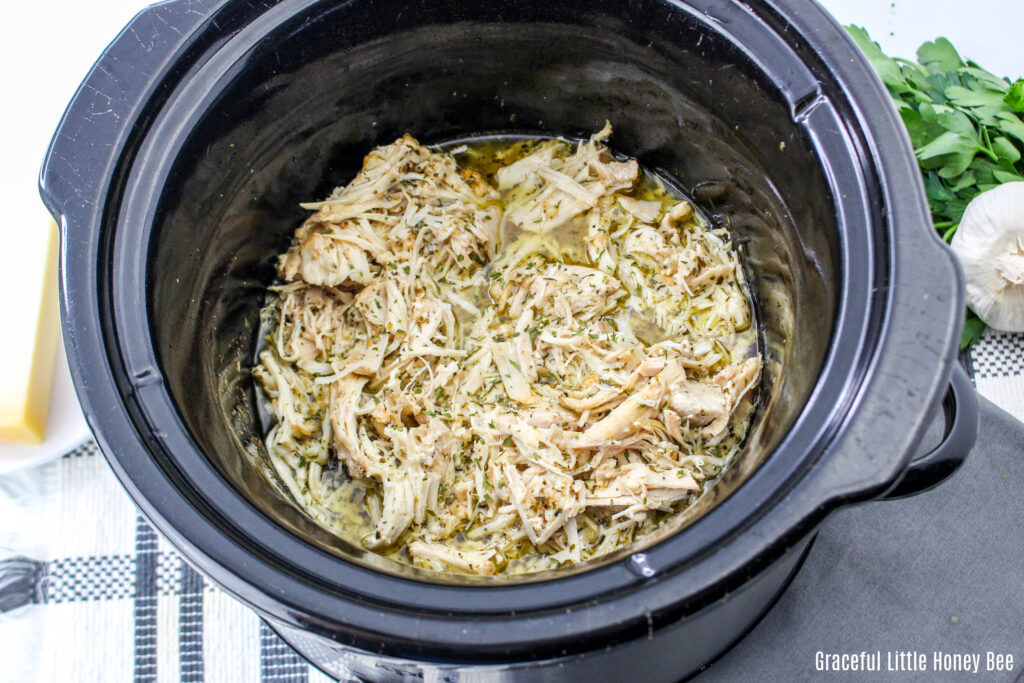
(693, 643)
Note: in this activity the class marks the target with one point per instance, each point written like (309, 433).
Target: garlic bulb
(990, 246)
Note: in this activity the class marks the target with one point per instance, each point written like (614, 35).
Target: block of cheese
(28, 335)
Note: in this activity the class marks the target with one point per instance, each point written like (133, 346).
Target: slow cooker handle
(97, 125)
(960, 411)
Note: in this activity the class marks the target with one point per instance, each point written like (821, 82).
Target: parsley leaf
(939, 56)
(973, 327)
(1015, 96)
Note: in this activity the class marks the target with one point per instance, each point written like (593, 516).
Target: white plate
(65, 426)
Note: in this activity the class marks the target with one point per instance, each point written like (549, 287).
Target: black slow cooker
(176, 174)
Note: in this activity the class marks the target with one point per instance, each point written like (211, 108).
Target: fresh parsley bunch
(965, 125)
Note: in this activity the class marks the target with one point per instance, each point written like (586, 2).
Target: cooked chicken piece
(592, 398)
(708, 276)
(312, 328)
(638, 481)
(629, 415)
(676, 216)
(320, 260)
(399, 508)
(698, 403)
(371, 302)
(552, 189)
(547, 209)
(544, 418)
(291, 398)
(585, 193)
(429, 321)
(479, 562)
(476, 182)
(518, 172)
(432, 440)
(515, 378)
(364, 358)
(600, 248)
(710, 405)
(645, 212)
(738, 310)
(544, 500)
(344, 398)
(616, 175)
(738, 379)
(651, 367)
(382, 168)
(586, 292)
(647, 242)
(475, 238)
(479, 365)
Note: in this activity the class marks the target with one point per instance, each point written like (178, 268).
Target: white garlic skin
(990, 246)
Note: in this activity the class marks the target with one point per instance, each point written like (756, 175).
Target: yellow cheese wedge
(28, 334)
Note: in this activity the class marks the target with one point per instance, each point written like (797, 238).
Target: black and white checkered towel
(99, 596)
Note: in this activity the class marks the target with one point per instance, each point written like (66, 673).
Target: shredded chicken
(504, 371)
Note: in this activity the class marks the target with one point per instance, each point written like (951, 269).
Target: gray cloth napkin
(939, 572)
